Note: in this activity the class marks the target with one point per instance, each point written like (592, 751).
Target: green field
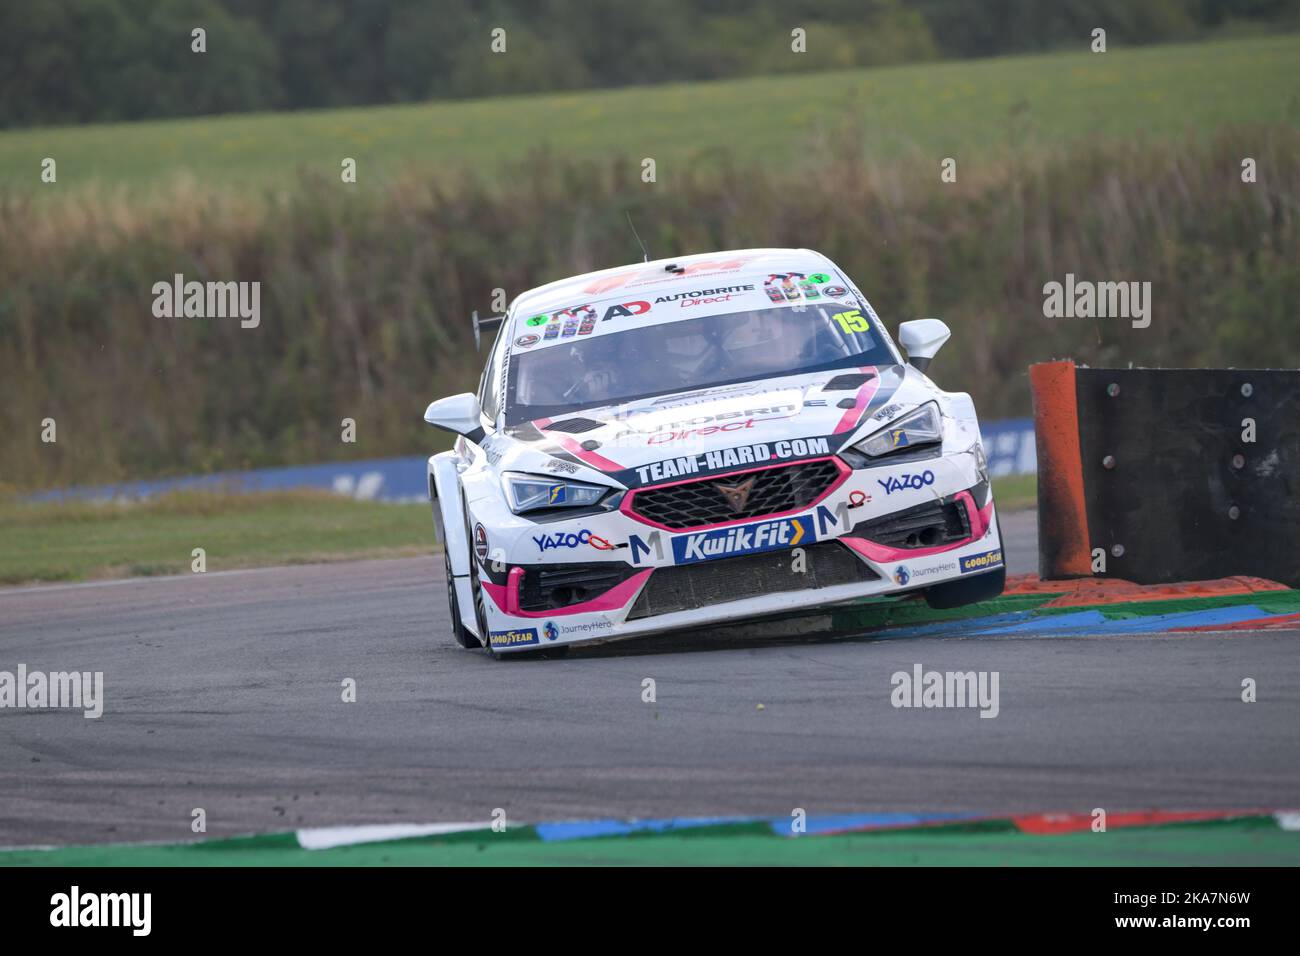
(1016, 492)
(75, 541)
(79, 540)
(941, 109)
(1253, 840)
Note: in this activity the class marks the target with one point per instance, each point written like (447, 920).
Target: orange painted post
(1063, 549)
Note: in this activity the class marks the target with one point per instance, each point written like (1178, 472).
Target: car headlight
(921, 427)
(533, 493)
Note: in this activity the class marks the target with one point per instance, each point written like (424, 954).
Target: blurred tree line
(73, 61)
(365, 296)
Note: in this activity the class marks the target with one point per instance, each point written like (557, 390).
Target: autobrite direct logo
(37, 690)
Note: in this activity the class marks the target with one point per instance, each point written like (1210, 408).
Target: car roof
(709, 269)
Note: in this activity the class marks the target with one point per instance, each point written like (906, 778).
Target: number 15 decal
(853, 321)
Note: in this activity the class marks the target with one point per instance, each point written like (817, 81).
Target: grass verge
(1016, 492)
(80, 540)
(1240, 842)
(960, 108)
(84, 540)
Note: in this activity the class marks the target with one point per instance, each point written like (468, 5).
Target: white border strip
(325, 838)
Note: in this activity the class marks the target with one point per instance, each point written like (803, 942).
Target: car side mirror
(459, 414)
(922, 339)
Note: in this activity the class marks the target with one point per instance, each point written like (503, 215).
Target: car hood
(726, 428)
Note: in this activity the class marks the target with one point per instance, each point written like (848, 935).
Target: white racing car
(702, 440)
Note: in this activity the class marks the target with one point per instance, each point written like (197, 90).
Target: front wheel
(972, 590)
(963, 591)
(458, 630)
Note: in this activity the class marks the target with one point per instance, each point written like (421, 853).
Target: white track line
(324, 838)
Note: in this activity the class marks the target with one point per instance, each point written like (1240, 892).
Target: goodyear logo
(744, 539)
(514, 638)
(981, 562)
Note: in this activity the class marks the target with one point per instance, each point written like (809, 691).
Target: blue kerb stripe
(582, 829)
(1091, 621)
(970, 624)
(781, 826)
(1053, 622)
(863, 821)
(1165, 622)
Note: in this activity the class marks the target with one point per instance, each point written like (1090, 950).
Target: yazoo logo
(903, 482)
(981, 562)
(561, 540)
(743, 539)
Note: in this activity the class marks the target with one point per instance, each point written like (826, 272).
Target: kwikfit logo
(743, 539)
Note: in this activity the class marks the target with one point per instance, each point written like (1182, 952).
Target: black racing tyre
(480, 612)
(963, 591)
(971, 590)
(463, 637)
(476, 589)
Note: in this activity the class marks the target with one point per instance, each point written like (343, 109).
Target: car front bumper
(878, 531)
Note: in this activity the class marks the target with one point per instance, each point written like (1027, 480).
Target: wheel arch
(445, 492)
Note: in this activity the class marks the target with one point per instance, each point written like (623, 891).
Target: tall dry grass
(366, 292)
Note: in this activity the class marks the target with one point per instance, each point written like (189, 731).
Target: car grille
(549, 587)
(686, 587)
(695, 503)
(930, 525)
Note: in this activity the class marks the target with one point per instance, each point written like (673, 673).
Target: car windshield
(649, 360)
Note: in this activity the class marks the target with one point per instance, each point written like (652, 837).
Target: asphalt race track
(223, 691)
